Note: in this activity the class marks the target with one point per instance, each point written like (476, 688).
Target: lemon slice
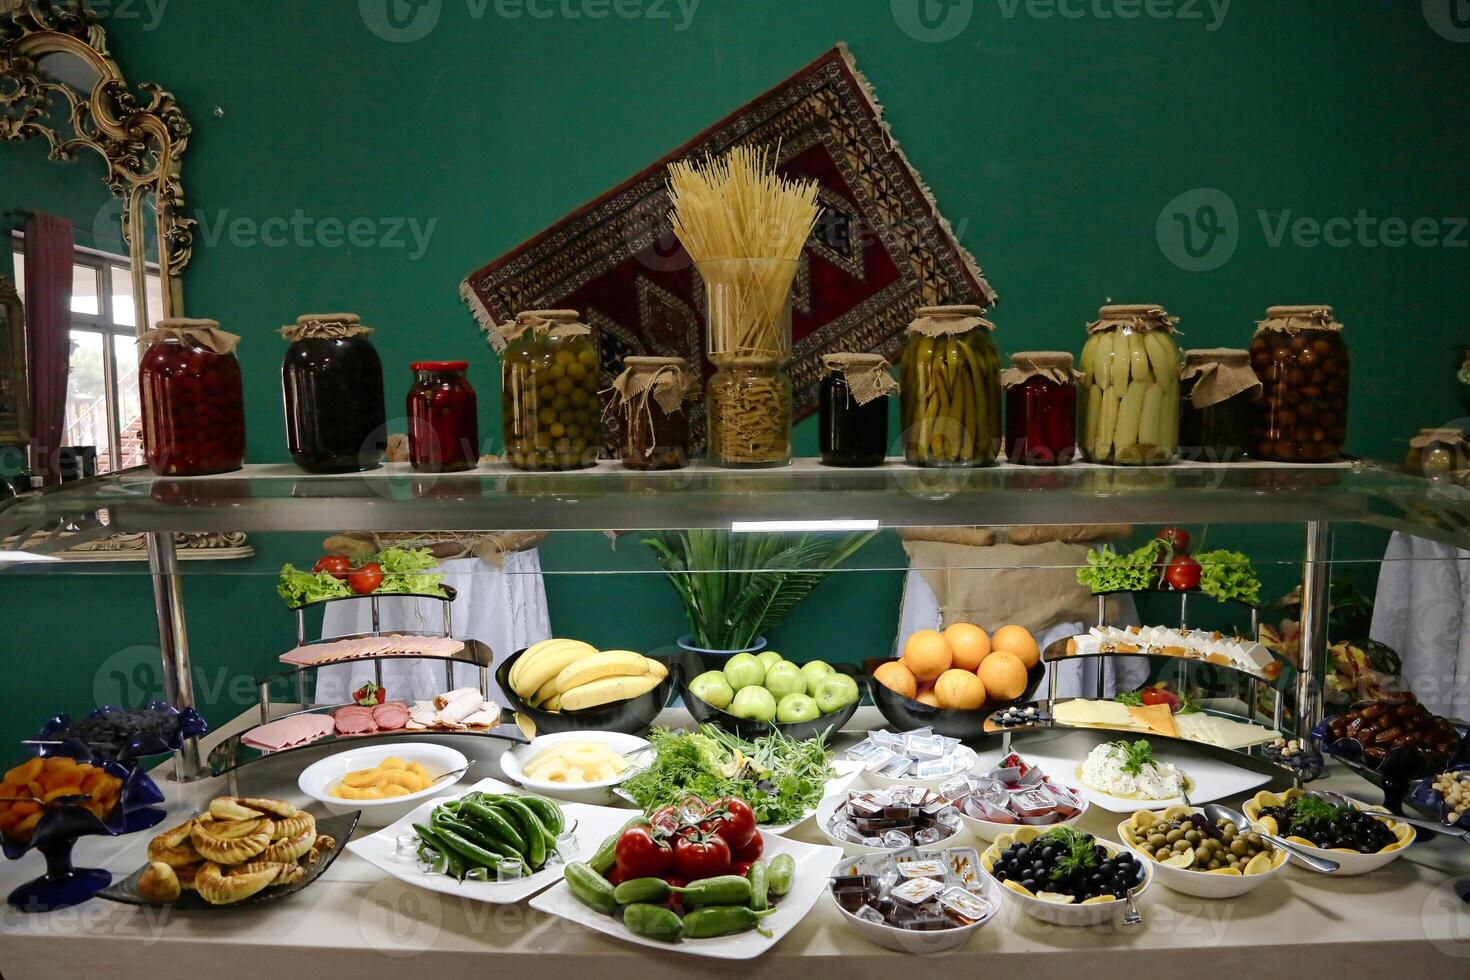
(1226, 871)
(1259, 864)
(1018, 888)
(1184, 859)
(1100, 899)
(1056, 898)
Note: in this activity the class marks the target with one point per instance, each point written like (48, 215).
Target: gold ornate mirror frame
(140, 139)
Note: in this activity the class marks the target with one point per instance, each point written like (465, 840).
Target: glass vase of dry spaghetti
(749, 412)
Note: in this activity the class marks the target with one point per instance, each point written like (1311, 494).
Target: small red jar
(193, 402)
(443, 418)
(1041, 409)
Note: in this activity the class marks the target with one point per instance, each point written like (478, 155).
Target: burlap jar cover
(667, 381)
(943, 321)
(325, 326)
(556, 324)
(1141, 318)
(866, 375)
(1452, 439)
(1052, 365)
(196, 333)
(1295, 319)
(1222, 373)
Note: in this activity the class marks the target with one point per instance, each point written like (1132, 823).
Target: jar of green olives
(1130, 372)
(949, 388)
(1436, 453)
(550, 410)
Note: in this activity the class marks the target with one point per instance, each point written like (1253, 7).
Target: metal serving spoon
(1436, 826)
(1218, 812)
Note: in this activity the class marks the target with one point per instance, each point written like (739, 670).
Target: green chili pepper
(722, 920)
(722, 890)
(590, 888)
(495, 824)
(454, 864)
(780, 874)
(549, 813)
(758, 885)
(638, 890)
(535, 834)
(472, 853)
(607, 853)
(475, 835)
(653, 921)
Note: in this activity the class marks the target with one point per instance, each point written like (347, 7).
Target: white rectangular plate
(594, 824)
(847, 773)
(1211, 779)
(813, 865)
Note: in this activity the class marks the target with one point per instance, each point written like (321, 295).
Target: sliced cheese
(1085, 713)
(1224, 732)
(1158, 718)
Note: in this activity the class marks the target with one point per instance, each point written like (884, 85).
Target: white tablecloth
(1420, 611)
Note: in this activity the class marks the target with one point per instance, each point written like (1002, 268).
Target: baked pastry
(231, 849)
(218, 888)
(173, 847)
(287, 872)
(278, 809)
(294, 825)
(290, 848)
(159, 883)
(232, 829)
(229, 808)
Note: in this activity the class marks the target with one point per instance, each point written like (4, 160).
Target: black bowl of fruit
(1065, 876)
(754, 695)
(1347, 833)
(569, 686)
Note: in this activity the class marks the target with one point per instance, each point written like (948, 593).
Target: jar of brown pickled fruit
(193, 403)
(1220, 391)
(1302, 360)
(550, 410)
(949, 395)
(1130, 373)
(651, 400)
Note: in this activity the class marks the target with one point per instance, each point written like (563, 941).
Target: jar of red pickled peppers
(192, 399)
(443, 418)
(1302, 360)
(1041, 408)
(651, 399)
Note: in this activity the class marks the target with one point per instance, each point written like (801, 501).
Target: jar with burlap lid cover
(192, 398)
(1437, 453)
(332, 383)
(652, 399)
(550, 410)
(1130, 372)
(852, 404)
(1041, 408)
(949, 376)
(1219, 390)
(1300, 356)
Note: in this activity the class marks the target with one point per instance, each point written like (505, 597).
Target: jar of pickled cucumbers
(1300, 356)
(549, 405)
(652, 400)
(949, 388)
(1041, 408)
(1219, 389)
(1130, 373)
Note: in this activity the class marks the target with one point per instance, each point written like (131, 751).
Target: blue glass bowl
(181, 725)
(57, 833)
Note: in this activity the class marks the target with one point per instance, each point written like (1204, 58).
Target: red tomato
(1183, 574)
(736, 824)
(641, 855)
(741, 868)
(752, 849)
(615, 877)
(337, 566)
(696, 858)
(1176, 538)
(365, 579)
(1155, 695)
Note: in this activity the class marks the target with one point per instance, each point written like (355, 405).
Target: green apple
(836, 692)
(814, 673)
(743, 670)
(796, 707)
(755, 703)
(768, 659)
(712, 688)
(785, 678)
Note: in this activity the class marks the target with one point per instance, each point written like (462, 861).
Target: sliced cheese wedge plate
(1085, 713)
(1158, 718)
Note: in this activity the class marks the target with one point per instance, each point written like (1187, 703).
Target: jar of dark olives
(1301, 358)
(853, 407)
(1041, 408)
(332, 382)
(193, 403)
(443, 418)
(652, 399)
(1219, 389)
(550, 411)
(1436, 453)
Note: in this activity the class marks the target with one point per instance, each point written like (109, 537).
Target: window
(102, 405)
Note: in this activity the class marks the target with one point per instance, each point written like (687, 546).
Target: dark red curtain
(49, 249)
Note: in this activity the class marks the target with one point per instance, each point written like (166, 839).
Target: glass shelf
(804, 496)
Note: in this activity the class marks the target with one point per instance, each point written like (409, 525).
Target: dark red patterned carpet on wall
(881, 249)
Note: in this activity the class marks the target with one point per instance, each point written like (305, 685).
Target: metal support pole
(1316, 584)
(173, 640)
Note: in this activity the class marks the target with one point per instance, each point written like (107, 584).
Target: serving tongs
(1219, 811)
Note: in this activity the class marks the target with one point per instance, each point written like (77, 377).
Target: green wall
(1053, 142)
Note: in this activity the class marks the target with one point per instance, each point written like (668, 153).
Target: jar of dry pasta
(749, 407)
(652, 399)
(550, 410)
(1130, 371)
(949, 394)
(1301, 358)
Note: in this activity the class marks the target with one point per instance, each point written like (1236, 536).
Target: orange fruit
(1003, 675)
(970, 644)
(897, 678)
(929, 697)
(927, 654)
(959, 689)
(1017, 640)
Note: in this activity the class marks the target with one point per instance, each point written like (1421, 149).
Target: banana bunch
(569, 675)
(1131, 413)
(949, 388)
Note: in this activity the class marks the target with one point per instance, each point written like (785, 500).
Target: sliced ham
(288, 732)
(393, 645)
(350, 722)
(391, 716)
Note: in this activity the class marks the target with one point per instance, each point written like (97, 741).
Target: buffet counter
(1401, 921)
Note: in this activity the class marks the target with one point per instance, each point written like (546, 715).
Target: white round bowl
(317, 779)
(514, 760)
(828, 807)
(1350, 862)
(989, 830)
(881, 782)
(1065, 915)
(1201, 884)
(908, 941)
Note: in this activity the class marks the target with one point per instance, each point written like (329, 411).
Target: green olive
(587, 358)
